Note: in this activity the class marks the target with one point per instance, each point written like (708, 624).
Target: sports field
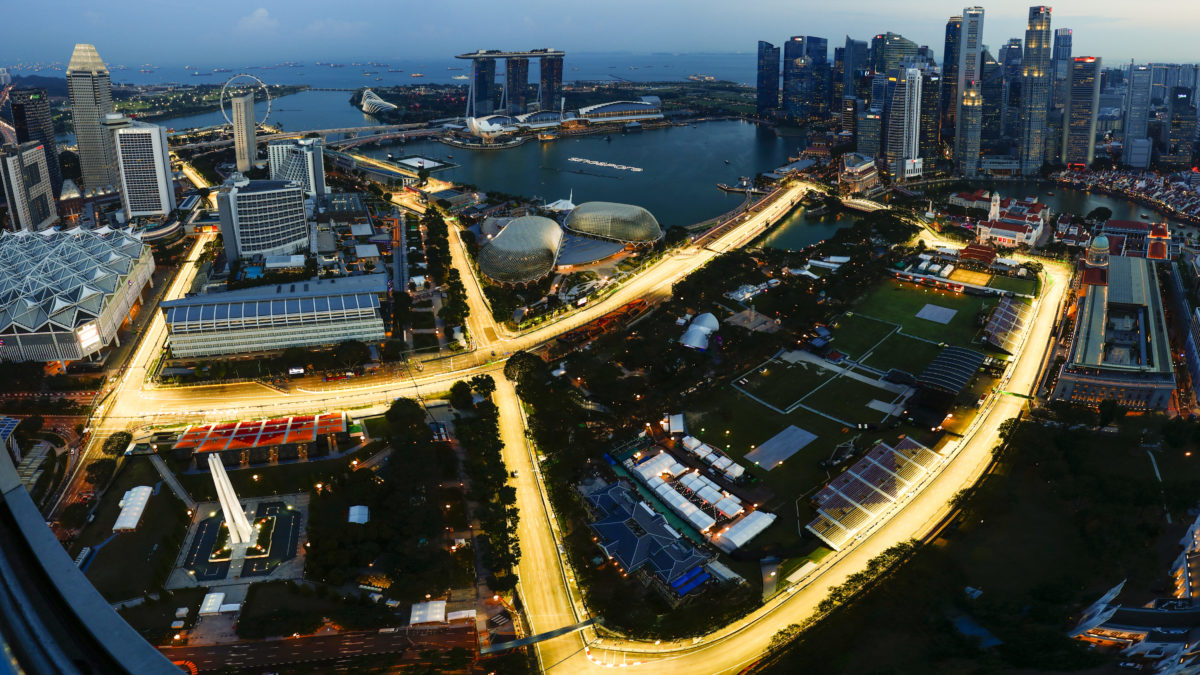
(970, 277)
(900, 303)
(781, 385)
(1014, 284)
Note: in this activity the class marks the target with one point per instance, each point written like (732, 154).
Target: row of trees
(494, 500)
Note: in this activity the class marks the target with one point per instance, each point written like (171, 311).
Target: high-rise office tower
(1010, 61)
(949, 102)
(244, 142)
(837, 79)
(851, 107)
(879, 93)
(991, 91)
(483, 87)
(5, 78)
(1061, 58)
(1082, 107)
(903, 152)
(971, 113)
(90, 93)
(806, 75)
(516, 83)
(1035, 90)
(1137, 102)
(767, 92)
(869, 129)
(855, 63)
(550, 72)
(262, 217)
(970, 73)
(1179, 131)
(931, 92)
(889, 50)
(25, 179)
(301, 160)
(147, 188)
(33, 122)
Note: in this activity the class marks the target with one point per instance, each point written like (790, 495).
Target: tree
(461, 397)
(1110, 411)
(1099, 214)
(100, 471)
(521, 364)
(32, 424)
(406, 418)
(74, 515)
(483, 385)
(116, 444)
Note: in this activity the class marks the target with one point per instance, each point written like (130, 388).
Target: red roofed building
(979, 199)
(1136, 239)
(1013, 223)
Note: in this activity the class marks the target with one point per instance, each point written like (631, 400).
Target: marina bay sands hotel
(484, 98)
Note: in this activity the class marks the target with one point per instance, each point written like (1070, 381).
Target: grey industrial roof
(61, 279)
(952, 369)
(367, 283)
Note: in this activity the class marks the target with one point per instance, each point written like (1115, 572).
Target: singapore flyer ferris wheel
(255, 83)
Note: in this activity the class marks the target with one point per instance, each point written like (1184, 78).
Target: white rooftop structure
(277, 262)
(366, 251)
(701, 329)
(133, 504)
(743, 530)
(64, 294)
(359, 514)
(433, 611)
(211, 604)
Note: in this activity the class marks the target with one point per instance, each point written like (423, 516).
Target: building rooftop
(62, 279)
(1121, 325)
(367, 283)
(85, 58)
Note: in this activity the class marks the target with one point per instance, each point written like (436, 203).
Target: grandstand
(260, 434)
(1006, 323)
(850, 503)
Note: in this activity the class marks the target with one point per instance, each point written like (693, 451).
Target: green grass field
(846, 399)
(1014, 284)
(899, 302)
(131, 563)
(904, 353)
(782, 384)
(854, 334)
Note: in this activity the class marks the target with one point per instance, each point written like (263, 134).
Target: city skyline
(1101, 28)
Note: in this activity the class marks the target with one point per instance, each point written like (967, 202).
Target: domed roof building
(619, 222)
(524, 251)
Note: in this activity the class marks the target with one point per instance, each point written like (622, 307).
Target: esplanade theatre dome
(620, 222)
(524, 251)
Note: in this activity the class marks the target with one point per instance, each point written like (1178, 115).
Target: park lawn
(899, 302)
(281, 479)
(377, 426)
(130, 563)
(1014, 284)
(782, 384)
(153, 619)
(903, 352)
(854, 334)
(420, 320)
(846, 399)
(425, 341)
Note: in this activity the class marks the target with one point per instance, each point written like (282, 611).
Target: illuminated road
(732, 648)
(547, 589)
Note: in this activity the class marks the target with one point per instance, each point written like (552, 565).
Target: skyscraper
(550, 71)
(483, 87)
(806, 75)
(90, 93)
(262, 217)
(1082, 106)
(32, 120)
(837, 80)
(991, 90)
(855, 63)
(1061, 58)
(1010, 61)
(889, 50)
(25, 179)
(903, 153)
(868, 130)
(931, 92)
(147, 188)
(949, 97)
(516, 83)
(1137, 103)
(301, 160)
(970, 71)
(1035, 90)
(767, 93)
(1179, 132)
(244, 143)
